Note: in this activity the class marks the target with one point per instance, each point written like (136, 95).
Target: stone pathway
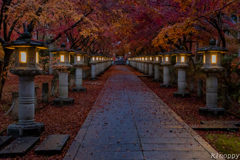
(128, 121)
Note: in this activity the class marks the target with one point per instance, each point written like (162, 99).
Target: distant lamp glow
(145, 59)
(166, 59)
(182, 59)
(214, 58)
(157, 58)
(150, 58)
(62, 58)
(93, 58)
(23, 57)
(204, 59)
(78, 58)
(96, 58)
(36, 57)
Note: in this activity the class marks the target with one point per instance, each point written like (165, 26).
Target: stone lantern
(146, 65)
(150, 65)
(79, 64)
(142, 65)
(166, 62)
(93, 62)
(212, 66)
(63, 64)
(26, 67)
(156, 63)
(181, 64)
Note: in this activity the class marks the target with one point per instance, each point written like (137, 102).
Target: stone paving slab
(52, 145)
(129, 121)
(19, 147)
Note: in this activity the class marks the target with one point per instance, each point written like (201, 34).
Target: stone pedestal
(212, 96)
(166, 77)
(26, 110)
(78, 76)
(181, 84)
(150, 72)
(146, 70)
(156, 72)
(63, 91)
(143, 67)
(93, 72)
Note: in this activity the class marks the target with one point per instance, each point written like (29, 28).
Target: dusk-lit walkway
(129, 121)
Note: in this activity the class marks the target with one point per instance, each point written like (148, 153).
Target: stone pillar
(63, 85)
(63, 91)
(166, 77)
(54, 89)
(150, 69)
(93, 72)
(45, 95)
(191, 84)
(143, 67)
(211, 95)
(78, 76)
(15, 97)
(26, 111)
(35, 97)
(181, 84)
(156, 72)
(146, 68)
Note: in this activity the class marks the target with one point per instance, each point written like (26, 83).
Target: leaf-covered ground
(57, 120)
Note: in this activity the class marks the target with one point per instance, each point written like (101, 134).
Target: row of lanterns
(26, 53)
(211, 65)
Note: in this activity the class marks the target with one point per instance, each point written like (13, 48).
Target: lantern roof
(80, 52)
(25, 41)
(212, 47)
(165, 53)
(182, 50)
(63, 49)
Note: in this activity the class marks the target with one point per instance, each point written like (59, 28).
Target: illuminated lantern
(63, 64)
(181, 64)
(79, 64)
(166, 62)
(156, 63)
(93, 62)
(212, 66)
(26, 67)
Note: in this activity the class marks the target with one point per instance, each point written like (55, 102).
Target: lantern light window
(78, 58)
(182, 59)
(23, 57)
(204, 58)
(61, 58)
(214, 58)
(166, 59)
(157, 58)
(36, 57)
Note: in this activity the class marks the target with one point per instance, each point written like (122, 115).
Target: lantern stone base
(79, 89)
(181, 94)
(93, 78)
(63, 101)
(166, 85)
(19, 130)
(211, 111)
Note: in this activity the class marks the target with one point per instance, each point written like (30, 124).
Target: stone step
(4, 140)
(54, 144)
(222, 127)
(19, 147)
